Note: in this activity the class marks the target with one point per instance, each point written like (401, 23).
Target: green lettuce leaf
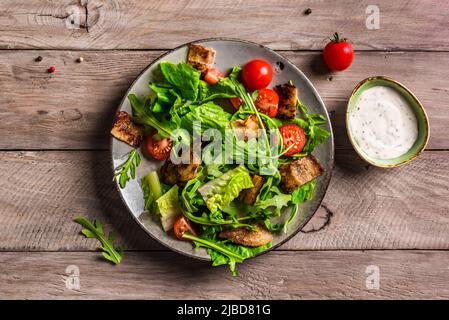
(224, 252)
(219, 258)
(169, 207)
(303, 193)
(142, 116)
(277, 202)
(183, 77)
(212, 116)
(218, 193)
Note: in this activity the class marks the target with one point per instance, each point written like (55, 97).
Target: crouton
(288, 96)
(299, 172)
(180, 173)
(126, 130)
(200, 57)
(256, 238)
(249, 196)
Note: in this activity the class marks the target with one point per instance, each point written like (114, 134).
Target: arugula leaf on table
(130, 166)
(95, 230)
(183, 77)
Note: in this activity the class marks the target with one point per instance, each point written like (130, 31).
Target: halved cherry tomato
(294, 136)
(181, 226)
(213, 75)
(267, 102)
(236, 102)
(257, 74)
(158, 149)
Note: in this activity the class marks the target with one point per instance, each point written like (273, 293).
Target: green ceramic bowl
(423, 122)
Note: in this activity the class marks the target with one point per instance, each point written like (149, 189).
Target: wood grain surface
(299, 275)
(163, 24)
(73, 108)
(388, 209)
(54, 150)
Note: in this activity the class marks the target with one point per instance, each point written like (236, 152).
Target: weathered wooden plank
(299, 275)
(365, 207)
(73, 108)
(101, 24)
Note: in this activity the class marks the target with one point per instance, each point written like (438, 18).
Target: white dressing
(382, 123)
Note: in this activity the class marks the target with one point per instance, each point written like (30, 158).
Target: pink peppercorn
(52, 69)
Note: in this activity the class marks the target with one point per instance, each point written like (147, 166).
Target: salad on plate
(234, 153)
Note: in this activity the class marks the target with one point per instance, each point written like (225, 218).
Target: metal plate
(230, 52)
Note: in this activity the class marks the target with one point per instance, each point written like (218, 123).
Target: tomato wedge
(213, 75)
(158, 149)
(267, 102)
(293, 138)
(181, 226)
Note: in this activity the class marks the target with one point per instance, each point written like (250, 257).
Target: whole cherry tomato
(338, 54)
(257, 74)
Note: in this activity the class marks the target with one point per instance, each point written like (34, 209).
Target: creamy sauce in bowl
(382, 123)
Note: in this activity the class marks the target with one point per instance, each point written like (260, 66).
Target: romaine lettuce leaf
(210, 115)
(169, 207)
(218, 193)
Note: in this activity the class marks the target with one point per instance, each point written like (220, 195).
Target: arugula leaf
(278, 201)
(225, 88)
(315, 135)
(224, 252)
(183, 77)
(218, 193)
(166, 96)
(141, 116)
(303, 193)
(130, 166)
(95, 230)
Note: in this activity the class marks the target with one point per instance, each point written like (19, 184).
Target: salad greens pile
(181, 106)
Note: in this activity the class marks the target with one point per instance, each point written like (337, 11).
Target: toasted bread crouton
(299, 172)
(126, 130)
(249, 196)
(200, 57)
(248, 238)
(247, 129)
(180, 173)
(288, 95)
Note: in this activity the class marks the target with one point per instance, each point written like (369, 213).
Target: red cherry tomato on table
(213, 75)
(236, 102)
(257, 74)
(158, 149)
(293, 137)
(181, 226)
(267, 102)
(338, 54)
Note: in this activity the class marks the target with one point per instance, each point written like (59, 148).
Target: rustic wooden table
(391, 225)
